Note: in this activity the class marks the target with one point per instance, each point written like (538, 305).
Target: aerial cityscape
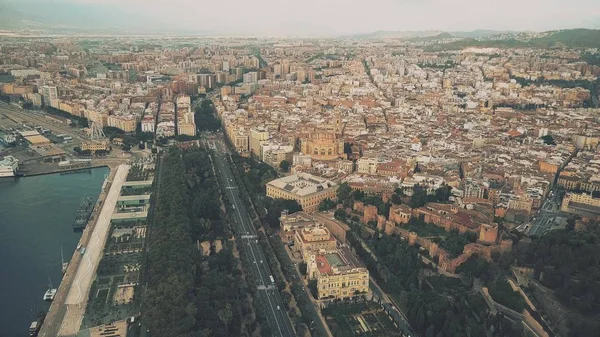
(320, 176)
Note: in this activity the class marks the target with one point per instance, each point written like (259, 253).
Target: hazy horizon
(310, 17)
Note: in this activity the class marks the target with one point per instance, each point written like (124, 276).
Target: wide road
(267, 291)
(544, 219)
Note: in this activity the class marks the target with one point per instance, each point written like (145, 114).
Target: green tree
(344, 193)
(326, 205)
(548, 140)
(442, 194)
(303, 268)
(284, 165)
(112, 132)
(347, 148)
(419, 197)
(358, 195)
(312, 285)
(397, 196)
(276, 206)
(205, 118)
(339, 214)
(225, 315)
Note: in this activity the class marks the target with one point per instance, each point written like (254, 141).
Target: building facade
(258, 136)
(581, 203)
(339, 274)
(306, 189)
(310, 240)
(323, 146)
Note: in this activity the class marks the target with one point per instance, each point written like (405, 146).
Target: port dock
(66, 312)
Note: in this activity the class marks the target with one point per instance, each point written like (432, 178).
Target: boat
(65, 265)
(51, 292)
(83, 213)
(35, 326)
(8, 166)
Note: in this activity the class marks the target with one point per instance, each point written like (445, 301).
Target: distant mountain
(572, 38)
(381, 34)
(68, 17)
(427, 34)
(438, 37)
(479, 33)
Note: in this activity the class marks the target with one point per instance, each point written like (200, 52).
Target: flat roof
(29, 133)
(37, 139)
(138, 183)
(343, 260)
(302, 184)
(134, 197)
(48, 150)
(334, 260)
(129, 215)
(584, 207)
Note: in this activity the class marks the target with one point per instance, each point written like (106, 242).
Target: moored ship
(83, 213)
(36, 325)
(50, 294)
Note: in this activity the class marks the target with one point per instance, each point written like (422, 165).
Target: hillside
(438, 37)
(572, 38)
(434, 34)
(384, 34)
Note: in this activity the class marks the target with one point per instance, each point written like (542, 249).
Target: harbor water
(36, 221)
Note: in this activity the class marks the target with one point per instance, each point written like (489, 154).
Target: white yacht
(50, 294)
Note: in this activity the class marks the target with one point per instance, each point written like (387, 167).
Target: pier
(66, 312)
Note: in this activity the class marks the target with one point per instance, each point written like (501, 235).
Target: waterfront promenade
(66, 312)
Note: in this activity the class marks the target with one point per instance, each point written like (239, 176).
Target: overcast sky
(352, 16)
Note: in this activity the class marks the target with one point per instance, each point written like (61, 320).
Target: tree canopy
(567, 262)
(205, 118)
(284, 165)
(189, 294)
